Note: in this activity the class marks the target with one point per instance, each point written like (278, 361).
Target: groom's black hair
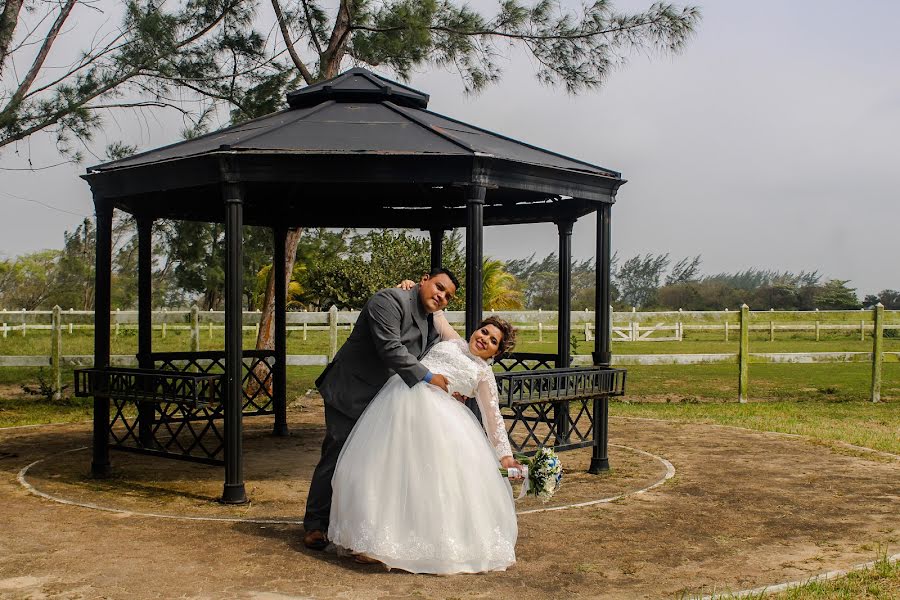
(447, 272)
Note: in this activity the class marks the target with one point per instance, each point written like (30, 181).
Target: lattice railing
(159, 411)
(256, 378)
(530, 361)
(176, 409)
(555, 407)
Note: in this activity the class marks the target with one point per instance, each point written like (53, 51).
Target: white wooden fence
(628, 326)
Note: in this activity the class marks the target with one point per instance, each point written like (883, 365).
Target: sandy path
(745, 509)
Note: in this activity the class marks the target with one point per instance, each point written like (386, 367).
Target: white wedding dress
(417, 484)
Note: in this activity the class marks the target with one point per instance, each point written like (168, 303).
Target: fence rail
(626, 326)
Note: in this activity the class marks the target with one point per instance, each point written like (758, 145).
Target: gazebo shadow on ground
(278, 471)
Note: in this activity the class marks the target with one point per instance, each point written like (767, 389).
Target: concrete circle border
(23, 481)
(783, 587)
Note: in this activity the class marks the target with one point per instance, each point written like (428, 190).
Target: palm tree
(499, 287)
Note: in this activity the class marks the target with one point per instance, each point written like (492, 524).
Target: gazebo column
(474, 256)
(564, 322)
(234, 492)
(437, 248)
(474, 265)
(602, 330)
(100, 466)
(279, 377)
(146, 410)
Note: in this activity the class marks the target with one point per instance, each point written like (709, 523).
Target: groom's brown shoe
(315, 540)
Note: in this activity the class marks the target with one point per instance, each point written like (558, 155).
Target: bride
(417, 484)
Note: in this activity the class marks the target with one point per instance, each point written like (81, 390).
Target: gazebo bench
(160, 386)
(536, 401)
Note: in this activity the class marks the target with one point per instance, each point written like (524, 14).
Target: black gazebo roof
(355, 151)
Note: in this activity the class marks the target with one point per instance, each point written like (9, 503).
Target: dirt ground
(745, 509)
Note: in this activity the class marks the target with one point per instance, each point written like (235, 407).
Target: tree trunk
(265, 340)
(8, 20)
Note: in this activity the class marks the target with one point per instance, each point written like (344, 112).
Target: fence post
(3, 326)
(71, 320)
(164, 313)
(609, 324)
(540, 331)
(56, 351)
(117, 322)
(680, 329)
(771, 328)
(877, 347)
(817, 327)
(744, 354)
(210, 327)
(862, 329)
(332, 332)
(726, 326)
(195, 328)
(24, 325)
(634, 325)
(258, 322)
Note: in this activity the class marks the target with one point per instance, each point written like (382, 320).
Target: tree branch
(515, 36)
(39, 59)
(69, 108)
(282, 24)
(312, 31)
(90, 57)
(146, 103)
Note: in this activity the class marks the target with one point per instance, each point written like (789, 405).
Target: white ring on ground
(781, 587)
(670, 473)
(21, 478)
(2, 429)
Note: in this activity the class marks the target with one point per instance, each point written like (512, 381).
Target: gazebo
(354, 151)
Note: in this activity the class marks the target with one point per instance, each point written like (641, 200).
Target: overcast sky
(773, 141)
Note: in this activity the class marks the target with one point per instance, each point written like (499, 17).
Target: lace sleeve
(443, 327)
(489, 404)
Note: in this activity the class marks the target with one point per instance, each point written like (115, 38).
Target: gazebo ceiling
(357, 150)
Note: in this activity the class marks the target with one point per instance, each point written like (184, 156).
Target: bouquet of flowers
(542, 474)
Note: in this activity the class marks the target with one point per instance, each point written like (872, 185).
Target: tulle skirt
(417, 487)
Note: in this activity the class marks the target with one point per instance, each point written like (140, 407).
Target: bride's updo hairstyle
(506, 330)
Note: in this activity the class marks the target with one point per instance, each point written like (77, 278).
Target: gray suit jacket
(393, 332)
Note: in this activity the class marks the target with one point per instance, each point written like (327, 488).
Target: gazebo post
(474, 265)
(234, 492)
(564, 322)
(279, 387)
(474, 255)
(602, 329)
(146, 410)
(100, 466)
(437, 248)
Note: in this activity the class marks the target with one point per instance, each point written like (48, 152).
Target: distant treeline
(345, 267)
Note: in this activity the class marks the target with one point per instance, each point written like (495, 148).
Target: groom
(393, 332)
